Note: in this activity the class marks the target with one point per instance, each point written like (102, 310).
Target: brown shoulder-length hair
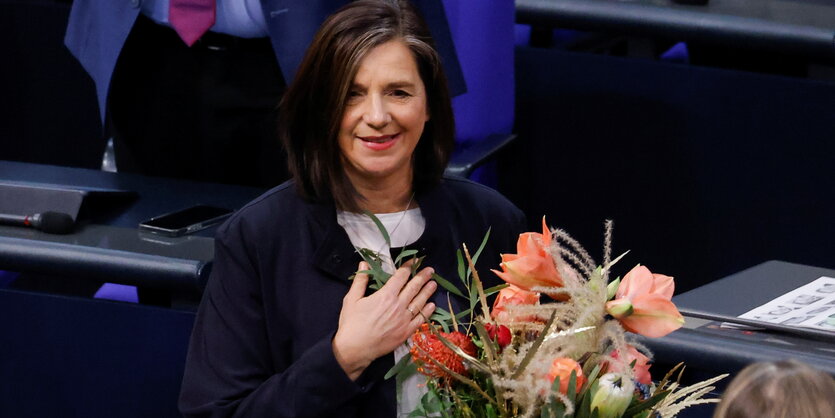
(783, 389)
(312, 108)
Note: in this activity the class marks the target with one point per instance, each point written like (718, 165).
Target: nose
(375, 113)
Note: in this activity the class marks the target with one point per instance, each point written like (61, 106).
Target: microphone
(49, 222)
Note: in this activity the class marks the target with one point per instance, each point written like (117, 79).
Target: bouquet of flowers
(565, 355)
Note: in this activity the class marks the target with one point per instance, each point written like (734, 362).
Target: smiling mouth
(378, 139)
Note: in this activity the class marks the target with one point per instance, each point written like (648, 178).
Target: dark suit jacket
(97, 30)
(261, 344)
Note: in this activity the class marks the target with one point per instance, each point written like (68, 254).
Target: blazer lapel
(335, 255)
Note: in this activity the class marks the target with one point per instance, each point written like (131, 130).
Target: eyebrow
(392, 85)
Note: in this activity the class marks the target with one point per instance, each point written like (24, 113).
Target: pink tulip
(512, 295)
(642, 304)
(532, 265)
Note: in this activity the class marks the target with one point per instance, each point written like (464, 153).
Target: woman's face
(384, 116)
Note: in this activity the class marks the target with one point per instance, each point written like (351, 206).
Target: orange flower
(426, 346)
(642, 304)
(641, 368)
(531, 266)
(510, 296)
(562, 367)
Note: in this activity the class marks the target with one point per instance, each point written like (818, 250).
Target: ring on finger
(411, 311)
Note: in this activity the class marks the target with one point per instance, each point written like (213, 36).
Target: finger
(358, 287)
(415, 285)
(424, 315)
(422, 297)
(397, 280)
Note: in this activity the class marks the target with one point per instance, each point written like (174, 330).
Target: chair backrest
(483, 33)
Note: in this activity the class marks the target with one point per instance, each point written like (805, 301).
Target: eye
(400, 93)
(353, 96)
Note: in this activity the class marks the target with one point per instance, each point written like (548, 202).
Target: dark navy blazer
(261, 344)
(97, 30)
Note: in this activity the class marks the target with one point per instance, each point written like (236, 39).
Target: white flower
(613, 396)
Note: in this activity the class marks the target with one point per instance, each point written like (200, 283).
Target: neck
(386, 196)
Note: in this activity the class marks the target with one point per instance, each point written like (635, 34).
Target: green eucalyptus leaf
(447, 285)
(591, 377)
(481, 247)
(461, 266)
(441, 313)
(403, 254)
(401, 365)
(380, 226)
(430, 402)
(473, 296)
(647, 404)
(416, 265)
(463, 313)
(495, 289)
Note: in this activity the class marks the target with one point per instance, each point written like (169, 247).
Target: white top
(404, 228)
(241, 18)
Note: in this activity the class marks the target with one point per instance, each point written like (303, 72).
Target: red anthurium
(532, 265)
(642, 304)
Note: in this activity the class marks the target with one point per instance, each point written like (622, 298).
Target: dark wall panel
(73, 357)
(704, 171)
(48, 109)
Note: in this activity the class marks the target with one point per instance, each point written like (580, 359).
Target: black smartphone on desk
(185, 221)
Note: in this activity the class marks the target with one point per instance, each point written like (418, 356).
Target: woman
(778, 389)
(281, 330)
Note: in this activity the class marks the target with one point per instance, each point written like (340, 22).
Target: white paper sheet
(810, 306)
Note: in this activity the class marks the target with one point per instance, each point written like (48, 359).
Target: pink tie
(191, 18)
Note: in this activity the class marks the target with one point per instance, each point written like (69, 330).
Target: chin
(377, 173)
